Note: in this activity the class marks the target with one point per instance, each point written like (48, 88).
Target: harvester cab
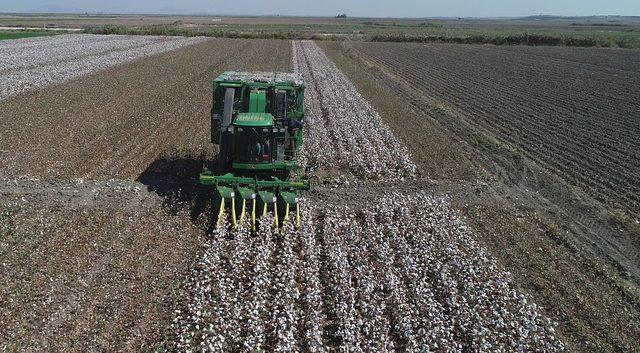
(257, 120)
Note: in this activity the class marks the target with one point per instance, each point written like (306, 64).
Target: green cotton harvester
(257, 120)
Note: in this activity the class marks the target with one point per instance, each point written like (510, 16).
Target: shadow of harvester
(175, 179)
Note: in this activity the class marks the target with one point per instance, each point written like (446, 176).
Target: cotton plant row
(404, 276)
(245, 295)
(67, 48)
(341, 126)
(44, 41)
(70, 56)
(413, 262)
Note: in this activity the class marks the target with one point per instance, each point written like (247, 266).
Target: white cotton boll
(336, 112)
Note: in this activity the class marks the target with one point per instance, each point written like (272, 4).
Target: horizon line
(124, 13)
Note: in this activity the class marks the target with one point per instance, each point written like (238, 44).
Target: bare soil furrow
(595, 141)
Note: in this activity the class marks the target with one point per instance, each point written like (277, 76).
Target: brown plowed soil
(536, 147)
(97, 265)
(576, 115)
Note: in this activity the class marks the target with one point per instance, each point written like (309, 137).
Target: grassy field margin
(620, 38)
(18, 34)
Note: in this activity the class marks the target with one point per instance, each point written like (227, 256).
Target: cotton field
(402, 275)
(36, 62)
(342, 128)
(463, 198)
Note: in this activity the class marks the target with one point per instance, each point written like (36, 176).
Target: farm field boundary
(404, 34)
(13, 34)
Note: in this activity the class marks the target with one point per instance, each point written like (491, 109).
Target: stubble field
(90, 263)
(115, 124)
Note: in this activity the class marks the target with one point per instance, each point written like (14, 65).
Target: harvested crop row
(114, 124)
(341, 126)
(403, 276)
(33, 64)
(88, 266)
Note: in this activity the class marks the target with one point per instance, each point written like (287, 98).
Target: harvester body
(257, 120)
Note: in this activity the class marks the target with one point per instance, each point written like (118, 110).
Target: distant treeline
(629, 40)
(563, 39)
(396, 24)
(600, 24)
(204, 32)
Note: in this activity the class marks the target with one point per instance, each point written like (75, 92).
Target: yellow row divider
(286, 217)
(253, 215)
(234, 223)
(275, 212)
(244, 211)
(221, 212)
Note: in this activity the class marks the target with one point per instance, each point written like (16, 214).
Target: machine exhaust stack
(227, 117)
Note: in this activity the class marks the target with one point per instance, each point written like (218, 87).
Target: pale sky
(363, 8)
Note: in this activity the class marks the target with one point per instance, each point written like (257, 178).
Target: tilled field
(393, 272)
(574, 112)
(37, 62)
